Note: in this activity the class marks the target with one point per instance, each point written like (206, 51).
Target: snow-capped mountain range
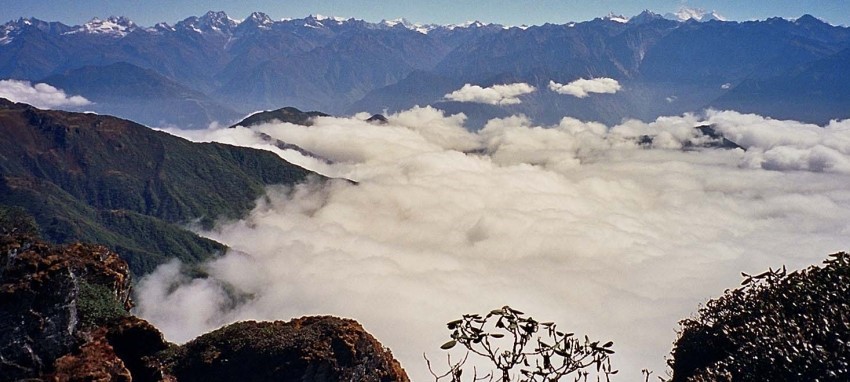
(221, 23)
(112, 26)
(215, 67)
(697, 14)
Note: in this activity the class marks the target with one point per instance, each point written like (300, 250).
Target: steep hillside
(817, 91)
(332, 76)
(100, 178)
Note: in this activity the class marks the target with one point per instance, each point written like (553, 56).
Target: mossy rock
(98, 305)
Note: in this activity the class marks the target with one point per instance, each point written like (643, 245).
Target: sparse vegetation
(16, 220)
(522, 349)
(97, 305)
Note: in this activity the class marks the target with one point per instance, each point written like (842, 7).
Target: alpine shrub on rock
(778, 326)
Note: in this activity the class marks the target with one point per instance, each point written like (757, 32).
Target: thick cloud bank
(580, 223)
(582, 88)
(39, 95)
(494, 95)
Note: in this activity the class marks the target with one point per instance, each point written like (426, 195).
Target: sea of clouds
(576, 223)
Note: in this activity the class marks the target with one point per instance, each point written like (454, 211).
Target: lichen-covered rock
(41, 311)
(320, 349)
(64, 316)
(95, 360)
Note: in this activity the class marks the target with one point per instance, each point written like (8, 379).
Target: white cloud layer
(494, 95)
(575, 223)
(39, 95)
(582, 88)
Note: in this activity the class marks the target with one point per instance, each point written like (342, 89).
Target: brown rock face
(123, 350)
(94, 361)
(307, 349)
(41, 312)
(138, 343)
(64, 317)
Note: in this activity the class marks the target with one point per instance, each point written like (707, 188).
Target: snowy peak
(427, 28)
(256, 21)
(396, 22)
(211, 22)
(162, 27)
(113, 26)
(696, 14)
(336, 19)
(217, 21)
(321, 21)
(616, 18)
(645, 17)
(12, 29)
(259, 18)
(121, 20)
(405, 23)
(472, 25)
(8, 31)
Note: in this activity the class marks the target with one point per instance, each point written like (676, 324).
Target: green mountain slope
(104, 179)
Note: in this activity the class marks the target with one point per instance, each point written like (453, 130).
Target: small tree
(521, 347)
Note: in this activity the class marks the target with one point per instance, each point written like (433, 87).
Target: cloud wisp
(576, 223)
(582, 88)
(39, 95)
(507, 94)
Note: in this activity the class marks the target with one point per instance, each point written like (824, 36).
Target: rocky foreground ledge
(64, 316)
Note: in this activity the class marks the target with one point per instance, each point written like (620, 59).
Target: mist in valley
(587, 225)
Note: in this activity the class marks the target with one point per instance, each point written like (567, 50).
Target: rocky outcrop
(703, 137)
(139, 344)
(378, 119)
(64, 316)
(286, 114)
(123, 350)
(48, 294)
(320, 349)
(95, 360)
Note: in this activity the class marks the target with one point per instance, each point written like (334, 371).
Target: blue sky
(509, 12)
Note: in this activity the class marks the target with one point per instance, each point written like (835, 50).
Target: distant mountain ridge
(141, 95)
(218, 68)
